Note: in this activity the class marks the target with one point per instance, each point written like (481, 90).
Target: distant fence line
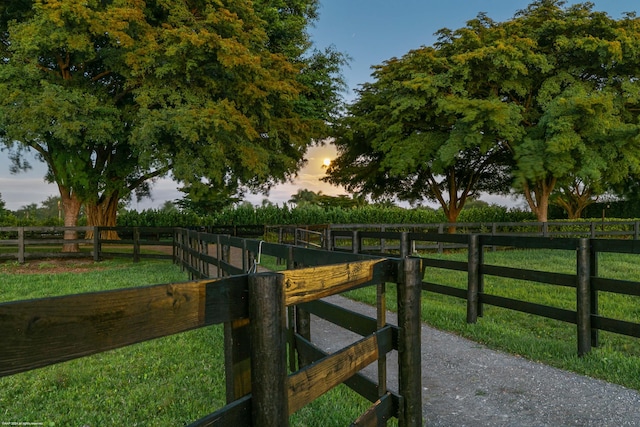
(318, 235)
(22, 243)
(585, 280)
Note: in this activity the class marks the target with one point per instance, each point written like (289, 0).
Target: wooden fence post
(21, 245)
(381, 322)
(356, 244)
(327, 239)
(302, 317)
(473, 278)
(245, 257)
(494, 231)
(219, 256)
(136, 244)
(583, 306)
(593, 272)
(237, 359)
(409, 345)
(404, 244)
(269, 394)
(174, 244)
(96, 244)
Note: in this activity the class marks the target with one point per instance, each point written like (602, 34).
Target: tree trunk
(574, 200)
(71, 206)
(537, 196)
(452, 216)
(104, 214)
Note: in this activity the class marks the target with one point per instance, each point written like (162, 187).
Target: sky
(369, 32)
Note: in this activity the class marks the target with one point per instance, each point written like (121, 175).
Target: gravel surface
(466, 384)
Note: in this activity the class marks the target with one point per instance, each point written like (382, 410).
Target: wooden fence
(318, 235)
(28, 243)
(262, 315)
(586, 282)
(203, 254)
(24, 243)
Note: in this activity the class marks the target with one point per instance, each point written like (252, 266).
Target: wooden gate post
(356, 244)
(473, 278)
(136, 244)
(21, 245)
(405, 251)
(583, 291)
(96, 244)
(237, 362)
(269, 395)
(593, 272)
(409, 343)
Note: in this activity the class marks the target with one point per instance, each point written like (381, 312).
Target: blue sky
(370, 32)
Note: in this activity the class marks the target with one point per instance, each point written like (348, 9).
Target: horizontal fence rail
(585, 280)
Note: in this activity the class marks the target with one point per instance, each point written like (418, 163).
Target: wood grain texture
(320, 377)
(42, 332)
(378, 414)
(308, 284)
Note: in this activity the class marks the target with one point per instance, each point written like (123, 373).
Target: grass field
(178, 379)
(170, 381)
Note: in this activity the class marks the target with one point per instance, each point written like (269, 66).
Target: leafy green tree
(555, 88)
(305, 197)
(205, 200)
(405, 136)
(569, 73)
(169, 207)
(50, 208)
(113, 94)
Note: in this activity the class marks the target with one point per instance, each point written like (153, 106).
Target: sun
(326, 162)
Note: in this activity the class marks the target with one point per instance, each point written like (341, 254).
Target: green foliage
(308, 197)
(309, 214)
(114, 94)
(494, 214)
(543, 99)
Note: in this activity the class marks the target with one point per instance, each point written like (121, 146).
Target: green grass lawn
(179, 379)
(170, 381)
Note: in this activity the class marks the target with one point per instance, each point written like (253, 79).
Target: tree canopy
(113, 94)
(543, 99)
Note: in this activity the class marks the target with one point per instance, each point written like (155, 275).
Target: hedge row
(309, 214)
(276, 215)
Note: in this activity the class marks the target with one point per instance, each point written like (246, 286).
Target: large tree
(414, 134)
(571, 74)
(113, 94)
(556, 87)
